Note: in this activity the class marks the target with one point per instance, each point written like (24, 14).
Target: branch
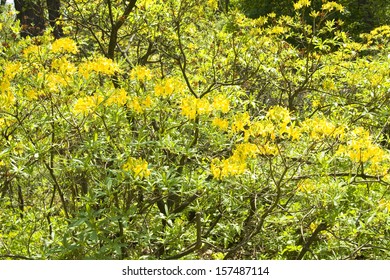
(197, 245)
(15, 257)
(312, 238)
(115, 26)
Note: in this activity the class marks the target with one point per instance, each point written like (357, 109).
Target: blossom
(167, 87)
(227, 167)
(329, 6)
(64, 45)
(240, 121)
(139, 104)
(188, 107)
(301, 3)
(87, 104)
(192, 106)
(138, 166)
(221, 103)
(119, 97)
(220, 123)
(99, 64)
(141, 73)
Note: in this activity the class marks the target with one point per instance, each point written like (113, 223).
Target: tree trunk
(31, 17)
(53, 7)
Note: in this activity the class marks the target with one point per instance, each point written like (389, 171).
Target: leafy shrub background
(206, 135)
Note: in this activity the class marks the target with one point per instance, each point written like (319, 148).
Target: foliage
(201, 135)
(359, 16)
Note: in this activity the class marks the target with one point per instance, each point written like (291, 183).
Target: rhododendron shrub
(235, 139)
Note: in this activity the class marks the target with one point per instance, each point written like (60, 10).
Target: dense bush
(210, 135)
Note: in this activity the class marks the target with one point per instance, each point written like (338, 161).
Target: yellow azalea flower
(167, 87)
(221, 103)
(220, 123)
(63, 66)
(119, 97)
(203, 106)
(227, 167)
(240, 121)
(384, 204)
(301, 3)
(245, 150)
(268, 149)
(87, 104)
(147, 102)
(329, 6)
(139, 167)
(11, 69)
(31, 50)
(306, 185)
(64, 45)
(135, 104)
(319, 128)
(141, 73)
(361, 149)
(99, 64)
(188, 107)
(192, 106)
(32, 94)
(279, 115)
(139, 105)
(55, 82)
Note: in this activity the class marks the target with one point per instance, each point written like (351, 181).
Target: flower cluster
(139, 104)
(329, 6)
(138, 166)
(236, 164)
(361, 149)
(64, 45)
(100, 65)
(7, 97)
(301, 3)
(167, 87)
(141, 73)
(319, 128)
(192, 106)
(119, 97)
(87, 104)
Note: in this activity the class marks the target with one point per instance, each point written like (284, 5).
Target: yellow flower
(87, 104)
(63, 66)
(220, 123)
(329, 6)
(119, 97)
(167, 87)
(384, 204)
(279, 115)
(203, 106)
(221, 103)
(99, 64)
(105, 65)
(64, 45)
(139, 167)
(301, 3)
(306, 185)
(191, 106)
(55, 82)
(147, 102)
(135, 104)
(240, 121)
(245, 150)
(11, 69)
(31, 50)
(141, 73)
(232, 166)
